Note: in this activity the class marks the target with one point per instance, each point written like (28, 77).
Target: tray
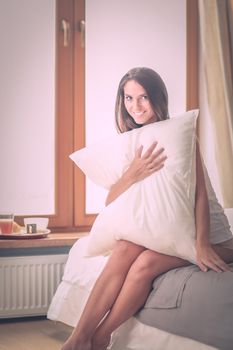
(25, 235)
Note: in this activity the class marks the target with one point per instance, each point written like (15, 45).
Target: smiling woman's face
(137, 103)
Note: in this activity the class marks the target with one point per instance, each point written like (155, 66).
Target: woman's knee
(127, 249)
(146, 265)
(123, 256)
(151, 264)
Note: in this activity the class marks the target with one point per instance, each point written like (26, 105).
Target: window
(84, 71)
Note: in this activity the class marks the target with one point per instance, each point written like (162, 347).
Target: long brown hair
(155, 89)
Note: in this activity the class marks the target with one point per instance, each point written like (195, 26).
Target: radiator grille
(27, 284)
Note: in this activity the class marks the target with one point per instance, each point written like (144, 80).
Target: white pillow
(158, 212)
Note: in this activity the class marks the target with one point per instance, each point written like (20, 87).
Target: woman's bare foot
(73, 343)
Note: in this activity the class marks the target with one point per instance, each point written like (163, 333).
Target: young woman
(124, 284)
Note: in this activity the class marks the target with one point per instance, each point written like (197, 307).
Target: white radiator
(28, 283)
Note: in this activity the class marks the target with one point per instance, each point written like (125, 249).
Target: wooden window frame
(64, 118)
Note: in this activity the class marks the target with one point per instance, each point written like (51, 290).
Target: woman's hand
(145, 165)
(207, 258)
(141, 167)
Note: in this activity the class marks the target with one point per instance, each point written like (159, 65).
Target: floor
(32, 334)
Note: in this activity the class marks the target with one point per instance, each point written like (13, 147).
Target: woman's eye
(128, 98)
(144, 97)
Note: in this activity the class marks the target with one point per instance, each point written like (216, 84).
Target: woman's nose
(136, 104)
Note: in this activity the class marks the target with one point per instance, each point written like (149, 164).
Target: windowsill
(52, 240)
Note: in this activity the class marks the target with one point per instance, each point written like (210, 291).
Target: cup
(40, 223)
(6, 223)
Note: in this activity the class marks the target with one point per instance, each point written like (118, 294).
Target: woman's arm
(202, 214)
(141, 167)
(206, 256)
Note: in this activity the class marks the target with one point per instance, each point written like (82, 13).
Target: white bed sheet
(69, 300)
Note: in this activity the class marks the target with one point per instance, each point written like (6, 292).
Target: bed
(170, 195)
(72, 293)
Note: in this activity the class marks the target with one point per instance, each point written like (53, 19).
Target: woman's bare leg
(136, 288)
(103, 295)
(134, 292)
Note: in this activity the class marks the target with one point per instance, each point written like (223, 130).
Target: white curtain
(216, 32)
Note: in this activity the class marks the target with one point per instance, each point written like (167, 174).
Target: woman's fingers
(144, 165)
(215, 263)
(156, 164)
(202, 266)
(138, 153)
(151, 156)
(157, 159)
(219, 265)
(150, 150)
(207, 258)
